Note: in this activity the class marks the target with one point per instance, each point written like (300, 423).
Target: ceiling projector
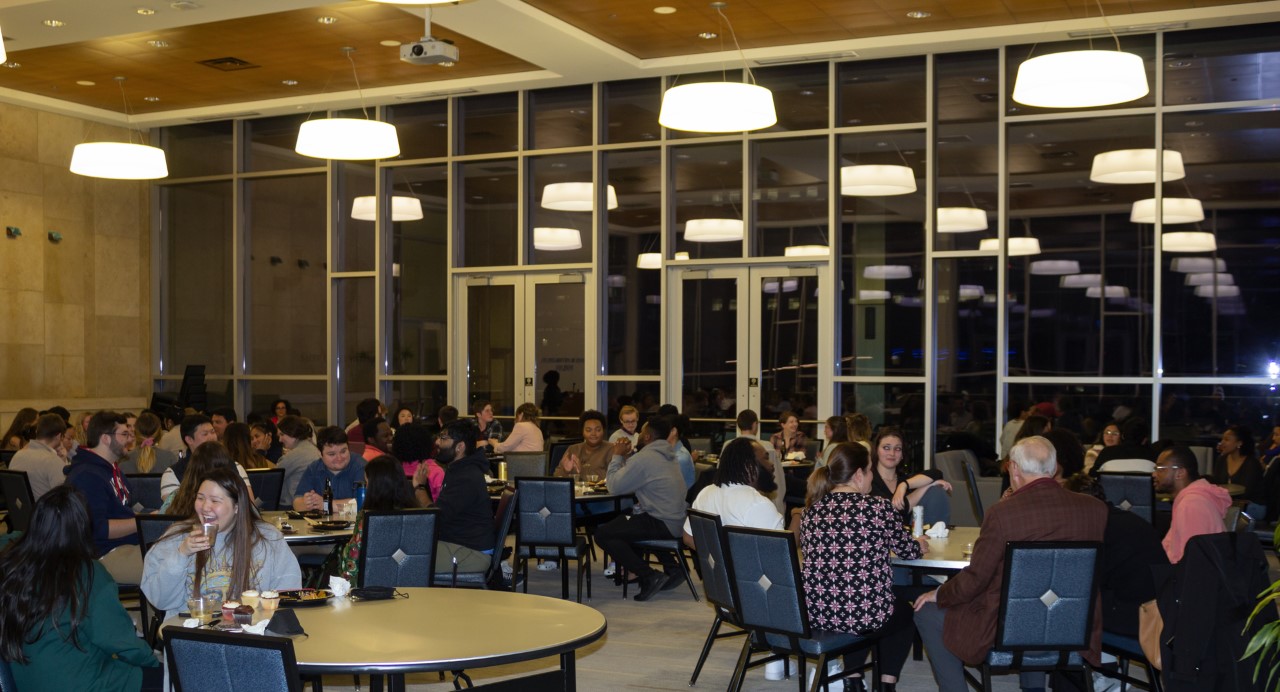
(429, 51)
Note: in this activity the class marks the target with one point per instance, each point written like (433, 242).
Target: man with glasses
(466, 513)
(1198, 506)
(95, 471)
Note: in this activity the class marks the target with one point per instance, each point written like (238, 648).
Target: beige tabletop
(304, 534)
(439, 629)
(946, 553)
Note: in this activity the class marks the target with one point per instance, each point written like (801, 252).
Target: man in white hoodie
(1198, 506)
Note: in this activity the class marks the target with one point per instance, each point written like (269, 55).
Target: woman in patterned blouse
(385, 489)
(847, 536)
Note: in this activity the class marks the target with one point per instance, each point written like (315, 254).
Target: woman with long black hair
(386, 488)
(61, 622)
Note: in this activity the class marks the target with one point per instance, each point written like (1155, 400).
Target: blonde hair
(147, 427)
(628, 409)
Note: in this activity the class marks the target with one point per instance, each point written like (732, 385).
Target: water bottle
(359, 497)
(917, 522)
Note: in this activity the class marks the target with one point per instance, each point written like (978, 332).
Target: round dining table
(305, 531)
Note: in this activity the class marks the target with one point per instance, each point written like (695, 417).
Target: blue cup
(360, 490)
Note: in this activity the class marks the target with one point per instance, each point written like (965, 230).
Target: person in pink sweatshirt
(1198, 506)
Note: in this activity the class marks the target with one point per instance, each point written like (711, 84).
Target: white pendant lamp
(1131, 166)
(875, 180)
(575, 197)
(116, 160)
(806, 251)
(961, 219)
(119, 161)
(713, 230)
(885, 272)
(1217, 291)
(1080, 281)
(4, 55)
(1188, 241)
(347, 139)
(403, 208)
(649, 260)
(717, 107)
(1052, 267)
(784, 285)
(556, 239)
(971, 291)
(1176, 210)
(681, 256)
(1080, 79)
(1210, 279)
(1198, 265)
(873, 294)
(1017, 246)
(1107, 292)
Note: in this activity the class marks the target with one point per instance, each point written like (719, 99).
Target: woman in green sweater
(61, 623)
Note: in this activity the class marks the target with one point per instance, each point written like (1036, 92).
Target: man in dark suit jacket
(957, 622)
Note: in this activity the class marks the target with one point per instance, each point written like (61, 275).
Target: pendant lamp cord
(355, 73)
(1107, 24)
(734, 35)
(127, 115)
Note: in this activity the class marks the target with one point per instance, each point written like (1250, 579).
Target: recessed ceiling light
(708, 35)
(664, 10)
(919, 14)
(327, 20)
(157, 43)
(390, 43)
(85, 82)
(55, 23)
(13, 65)
(145, 11)
(290, 82)
(150, 99)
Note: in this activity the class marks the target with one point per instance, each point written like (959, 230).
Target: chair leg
(706, 649)
(986, 678)
(688, 578)
(739, 671)
(801, 665)
(563, 566)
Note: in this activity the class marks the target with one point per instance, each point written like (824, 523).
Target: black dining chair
(267, 486)
(557, 452)
(708, 536)
(764, 574)
(971, 480)
(491, 576)
(18, 498)
(399, 547)
(151, 528)
(202, 660)
(651, 547)
(1132, 492)
(144, 490)
(1046, 609)
(545, 531)
(1128, 650)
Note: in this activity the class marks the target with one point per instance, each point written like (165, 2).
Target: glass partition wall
(561, 248)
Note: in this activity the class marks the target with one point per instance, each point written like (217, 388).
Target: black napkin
(373, 593)
(285, 624)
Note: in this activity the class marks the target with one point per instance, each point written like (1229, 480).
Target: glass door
(525, 340)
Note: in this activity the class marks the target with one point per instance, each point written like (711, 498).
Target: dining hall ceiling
(190, 60)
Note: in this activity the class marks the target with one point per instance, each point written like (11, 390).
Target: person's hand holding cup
(201, 537)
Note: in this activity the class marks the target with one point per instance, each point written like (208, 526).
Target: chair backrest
(546, 512)
(1129, 466)
(6, 456)
(707, 532)
(1046, 602)
(501, 527)
(1204, 458)
(399, 547)
(203, 660)
(975, 499)
(1231, 520)
(1132, 492)
(957, 466)
(526, 464)
(267, 485)
(144, 490)
(557, 452)
(151, 527)
(18, 498)
(764, 575)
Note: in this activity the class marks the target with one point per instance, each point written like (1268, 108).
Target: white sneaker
(506, 568)
(610, 569)
(774, 670)
(834, 668)
(548, 566)
(1102, 683)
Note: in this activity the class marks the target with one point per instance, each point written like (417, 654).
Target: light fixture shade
(1188, 241)
(868, 294)
(556, 239)
(119, 161)
(682, 256)
(1107, 292)
(1017, 246)
(347, 139)
(575, 197)
(403, 208)
(649, 260)
(1217, 291)
(4, 55)
(1130, 166)
(786, 285)
(616, 281)
(1080, 79)
(806, 251)
(713, 230)
(1080, 281)
(961, 219)
(971, 291)
(717, 107)
(1055, 267)
(886, 271)
(1198, 265)
(1176, 210)
(1210, 279)
(875, 180)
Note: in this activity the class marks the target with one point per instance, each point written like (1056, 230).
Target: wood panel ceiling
(505, 44)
